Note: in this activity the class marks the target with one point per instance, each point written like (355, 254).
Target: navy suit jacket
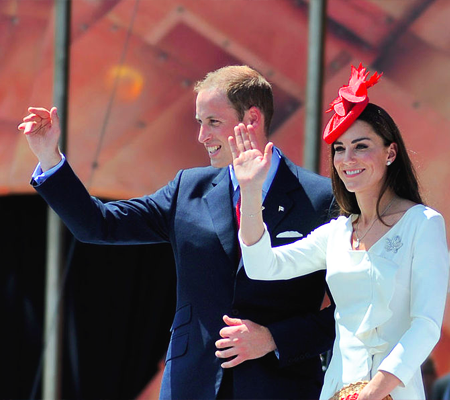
(195, 213)
(441, 388)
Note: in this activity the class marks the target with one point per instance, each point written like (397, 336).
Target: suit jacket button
(235, 312)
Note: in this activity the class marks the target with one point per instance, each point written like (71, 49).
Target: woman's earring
(389, 163)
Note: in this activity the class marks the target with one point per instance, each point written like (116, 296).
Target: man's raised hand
(42, 130)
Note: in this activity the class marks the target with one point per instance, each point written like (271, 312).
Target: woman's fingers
(268, 152)
(233, 148)
(245, 137)
(239, 138)
(252, 137)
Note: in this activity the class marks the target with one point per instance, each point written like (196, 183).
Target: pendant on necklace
(357, 244)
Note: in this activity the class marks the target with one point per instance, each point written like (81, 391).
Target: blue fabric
(39, 176)
(195, 214)
(275, 162)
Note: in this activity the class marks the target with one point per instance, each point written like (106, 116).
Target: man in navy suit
(441, 388)
(232, 337)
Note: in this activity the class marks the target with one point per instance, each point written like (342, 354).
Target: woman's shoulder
(419, 214)
(420, 210)
(340, 222)
(337, 224)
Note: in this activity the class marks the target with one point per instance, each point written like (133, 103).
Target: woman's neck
(368, 205)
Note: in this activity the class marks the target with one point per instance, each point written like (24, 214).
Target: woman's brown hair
(401, 176)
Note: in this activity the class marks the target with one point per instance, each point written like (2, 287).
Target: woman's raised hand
(251, 165)
(42, 130)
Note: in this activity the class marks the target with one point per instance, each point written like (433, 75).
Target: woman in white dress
(386, 255)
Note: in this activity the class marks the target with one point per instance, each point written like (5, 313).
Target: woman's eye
(361, 146)
(338, 149)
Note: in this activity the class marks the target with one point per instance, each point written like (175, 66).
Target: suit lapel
(221, 210)
(278, 202)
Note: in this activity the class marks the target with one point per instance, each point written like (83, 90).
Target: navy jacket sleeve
(136, 221)
(309, 332)
(303, 337)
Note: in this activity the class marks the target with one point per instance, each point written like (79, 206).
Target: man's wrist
(39, 176)
(50, 162)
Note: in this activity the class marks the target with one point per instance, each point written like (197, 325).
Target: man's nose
(203, 134)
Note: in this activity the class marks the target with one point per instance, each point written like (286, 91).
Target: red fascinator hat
(350, 104)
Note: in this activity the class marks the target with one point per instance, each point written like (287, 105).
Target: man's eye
(214, 122)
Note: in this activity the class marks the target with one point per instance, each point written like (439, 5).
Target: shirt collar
(276, 157)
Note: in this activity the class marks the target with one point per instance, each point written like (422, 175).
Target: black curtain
(118, 306)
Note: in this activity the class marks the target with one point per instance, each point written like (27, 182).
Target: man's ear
(253, 116)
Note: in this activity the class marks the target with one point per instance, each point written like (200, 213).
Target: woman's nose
(348, 156)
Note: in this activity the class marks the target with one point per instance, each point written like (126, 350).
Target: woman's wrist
(250, 214)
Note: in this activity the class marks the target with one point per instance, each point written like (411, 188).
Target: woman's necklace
(358, 239)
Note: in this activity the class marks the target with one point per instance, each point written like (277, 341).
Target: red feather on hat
(350, 103)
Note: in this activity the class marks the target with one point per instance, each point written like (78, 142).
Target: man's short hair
(244, 87)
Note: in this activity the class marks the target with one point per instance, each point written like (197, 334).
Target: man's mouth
(212, 149)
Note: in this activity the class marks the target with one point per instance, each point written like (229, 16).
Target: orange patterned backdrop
(151, 131)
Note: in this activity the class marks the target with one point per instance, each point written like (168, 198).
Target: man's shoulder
(312, 177)
(306, 177)
(202, 172)
(201, 177)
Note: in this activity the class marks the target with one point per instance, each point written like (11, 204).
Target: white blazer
(389, 300)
